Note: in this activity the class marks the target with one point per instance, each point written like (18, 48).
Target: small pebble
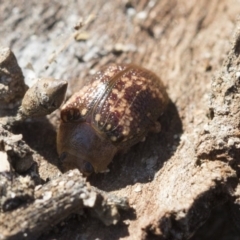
(138, 189)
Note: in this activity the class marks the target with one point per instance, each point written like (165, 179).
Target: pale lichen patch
(97, 117)
(127, 123)
(110, 102)
(114, 139)
(110, 73)
(128, 111)
(115, 91)
(126, 131)
(139, 82)
(125, 79)
(145, 79)
(84, 111)
(108, 127)
(128, 84)
(96, 83)
(121, 94)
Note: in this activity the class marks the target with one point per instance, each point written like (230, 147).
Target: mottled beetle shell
(118, 107)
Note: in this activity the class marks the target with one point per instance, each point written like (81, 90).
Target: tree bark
(177, 177)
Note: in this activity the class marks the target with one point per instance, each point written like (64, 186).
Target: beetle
(119, 106)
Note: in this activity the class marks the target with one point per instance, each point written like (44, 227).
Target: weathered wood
(176, 178)
(54, 202)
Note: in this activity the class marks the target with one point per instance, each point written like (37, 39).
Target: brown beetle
(116, 110)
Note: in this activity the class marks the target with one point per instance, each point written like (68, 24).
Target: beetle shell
(117, 109)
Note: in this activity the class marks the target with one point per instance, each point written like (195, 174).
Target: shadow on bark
(172, 227)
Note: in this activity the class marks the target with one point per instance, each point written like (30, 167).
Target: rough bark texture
(176, 178)
(53, 203)
(12, 86)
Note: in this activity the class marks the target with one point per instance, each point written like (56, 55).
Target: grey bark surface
(12, 86)
(175, 179)
(53, 202)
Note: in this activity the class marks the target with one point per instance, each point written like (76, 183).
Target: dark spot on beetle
(87, 168)
(71, 114)
(62, 157)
